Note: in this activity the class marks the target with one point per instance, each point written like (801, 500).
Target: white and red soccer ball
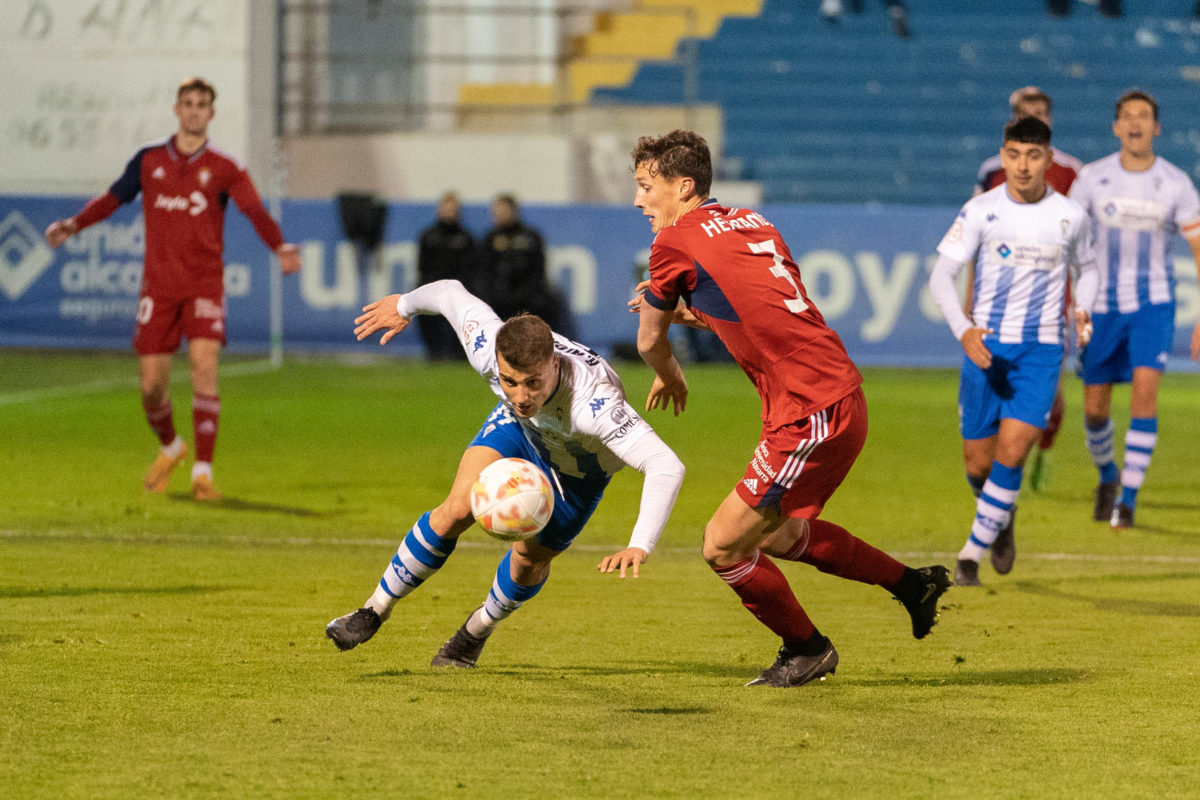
(512, 500)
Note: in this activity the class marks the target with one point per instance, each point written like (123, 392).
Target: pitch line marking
(307, 541)
(100, 387)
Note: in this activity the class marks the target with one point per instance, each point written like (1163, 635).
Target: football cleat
(1106, 496)
(461, 650)
(351, 630)
(966, 573)
(1004, 549)
(1122, 517)
(159, 474)
(203, 489)
(792, 669)
(923, 608)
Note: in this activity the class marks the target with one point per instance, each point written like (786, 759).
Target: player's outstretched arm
(664, 473)
(381, 316)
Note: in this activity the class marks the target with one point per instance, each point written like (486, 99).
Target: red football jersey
(183, 205)
(735, 273)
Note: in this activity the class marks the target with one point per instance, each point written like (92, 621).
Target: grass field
(153, 647)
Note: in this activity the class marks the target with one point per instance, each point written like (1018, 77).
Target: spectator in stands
(514, 270)
(1107, 8)
(447, 251)
(897, 13)
(1030, 101)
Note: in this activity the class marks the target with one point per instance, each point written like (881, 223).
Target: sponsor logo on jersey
(1004, 250)
(761, 463)
(23, 255)
(194, 204)
(624, 421)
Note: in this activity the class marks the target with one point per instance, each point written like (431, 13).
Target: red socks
(161, 422)
(765, 592)
(832, 549)
(206, 411)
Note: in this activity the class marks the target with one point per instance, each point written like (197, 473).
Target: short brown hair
(1136, 94)
(196, 84)
(1029, 94)
(525, 341)
(679, 154)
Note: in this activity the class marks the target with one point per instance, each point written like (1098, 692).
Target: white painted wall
(86, 82)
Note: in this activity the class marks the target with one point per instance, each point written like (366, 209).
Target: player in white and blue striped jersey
(560, 406)
(1026, 241)
(1137, 201)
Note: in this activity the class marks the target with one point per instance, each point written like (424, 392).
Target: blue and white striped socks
(993, 510)
(505, 597)
(420, 555)
(1100, 447)
(1139, 446)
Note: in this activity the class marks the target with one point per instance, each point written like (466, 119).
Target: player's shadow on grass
(1122, 605)
(87, 591)
(963, 675)
(227, 503)
(547, 671)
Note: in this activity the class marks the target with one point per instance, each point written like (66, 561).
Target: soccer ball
(512, 500)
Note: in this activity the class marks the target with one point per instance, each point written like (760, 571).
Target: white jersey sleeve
(473, 320)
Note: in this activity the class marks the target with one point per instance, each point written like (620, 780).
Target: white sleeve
(941, 286)
(473, 320)
(1085, 271)
(664, 475)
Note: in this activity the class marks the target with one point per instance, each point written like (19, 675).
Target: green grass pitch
(154, 647)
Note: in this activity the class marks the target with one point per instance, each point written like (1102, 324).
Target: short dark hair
(1028, 130)
(679, 154)
(196, 84)
(525, 341)
(1136, 94)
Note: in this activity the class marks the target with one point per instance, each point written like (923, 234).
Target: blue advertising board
(866, 268)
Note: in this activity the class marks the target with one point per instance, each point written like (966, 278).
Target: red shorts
(797, 467)
(163, 322)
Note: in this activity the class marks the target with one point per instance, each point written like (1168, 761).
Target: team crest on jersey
(203, 175)
(956, 230)
(159, 173)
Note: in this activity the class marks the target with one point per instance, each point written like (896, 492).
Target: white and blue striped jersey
(1023, 254)
(1134, 215)
(586, 426)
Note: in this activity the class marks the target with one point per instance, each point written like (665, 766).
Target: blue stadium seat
(848, 113)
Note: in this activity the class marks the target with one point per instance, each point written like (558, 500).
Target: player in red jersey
(185, 185)
(1030, 101)
(730, 270)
